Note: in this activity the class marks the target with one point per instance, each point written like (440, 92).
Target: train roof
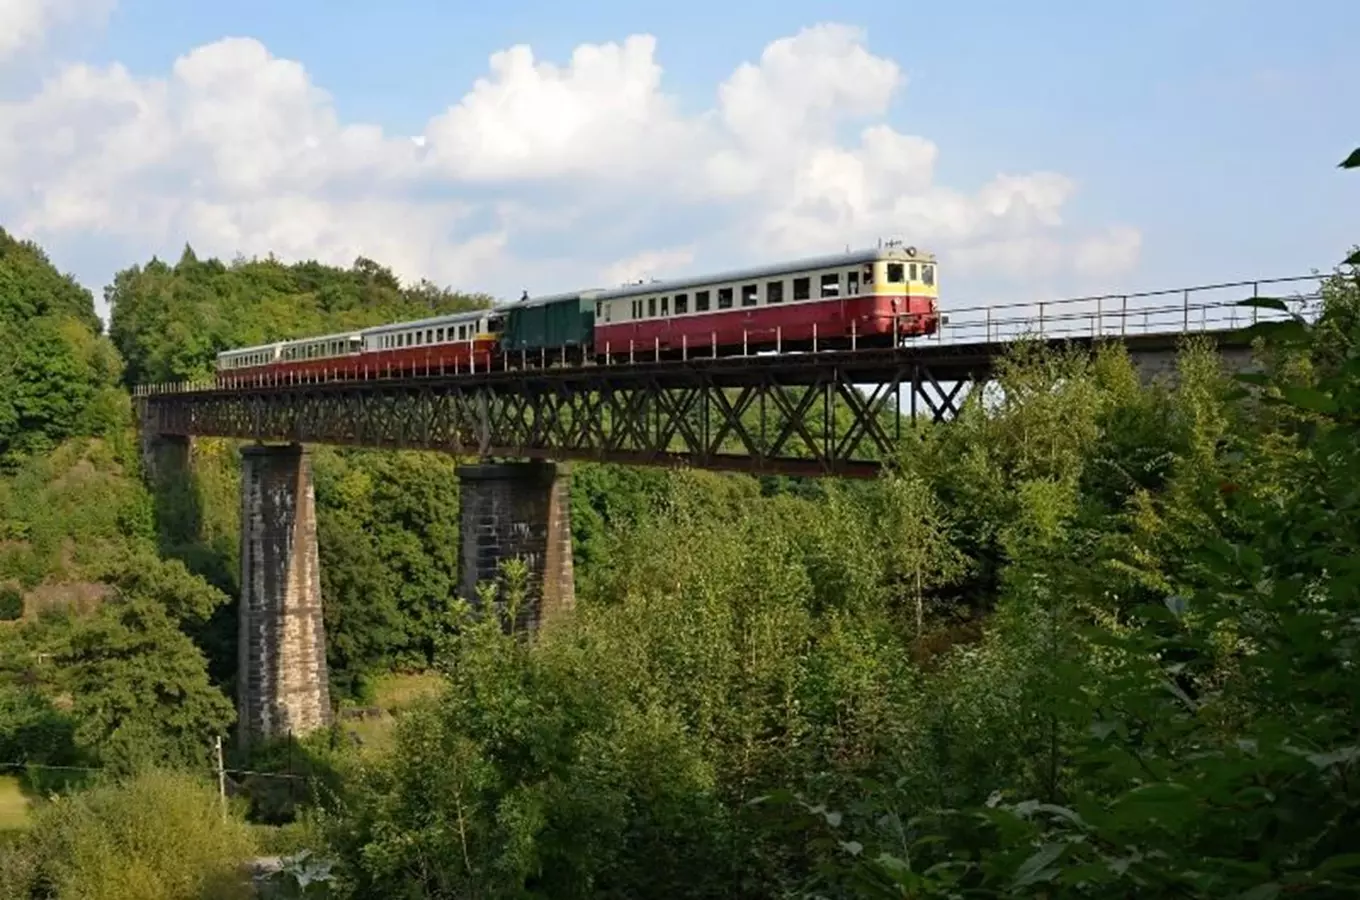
(835, 260)
(256, 348)
(334, 336)
(461, 316)
(290, 341)
(546, 299)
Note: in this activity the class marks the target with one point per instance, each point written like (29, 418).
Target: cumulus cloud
(647, 265)
(578, 172)
(604, 114)
(25, 24)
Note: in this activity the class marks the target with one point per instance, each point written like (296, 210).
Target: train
(858, 299)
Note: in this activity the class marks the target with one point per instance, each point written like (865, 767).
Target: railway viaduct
(832, 413)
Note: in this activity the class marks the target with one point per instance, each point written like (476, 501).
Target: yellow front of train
(906, 281)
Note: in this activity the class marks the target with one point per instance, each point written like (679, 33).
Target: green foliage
(1198, 701)
(33, 731)
(169, 322)
(58, 377)
(160, 836)
(65, 515)
(1096, 638)
(11, 603)
(135, 685)
(140, 686)
(388, 529)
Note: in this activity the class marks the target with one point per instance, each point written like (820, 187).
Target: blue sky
(1212, 129)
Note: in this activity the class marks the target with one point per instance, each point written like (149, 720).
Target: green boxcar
(549, 323)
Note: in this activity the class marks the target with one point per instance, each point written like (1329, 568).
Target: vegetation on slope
(1095, 640)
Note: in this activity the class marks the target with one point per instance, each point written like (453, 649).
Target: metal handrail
(1086, 317)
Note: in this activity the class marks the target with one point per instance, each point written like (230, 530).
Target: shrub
(11, 603)
(159, 836)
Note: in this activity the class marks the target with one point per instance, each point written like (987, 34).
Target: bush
(11, 603)
(160, 835)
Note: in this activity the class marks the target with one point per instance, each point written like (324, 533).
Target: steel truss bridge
(833, 412)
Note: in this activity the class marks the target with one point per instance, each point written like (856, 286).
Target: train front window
(928, 274)
(895, 273)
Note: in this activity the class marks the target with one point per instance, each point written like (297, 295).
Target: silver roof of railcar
(446, 318)
(336, 336)
(232, 351)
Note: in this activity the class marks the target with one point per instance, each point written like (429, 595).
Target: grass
(13, 805)
(397, 690)
(392, 693)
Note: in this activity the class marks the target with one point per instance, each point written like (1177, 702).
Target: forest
(1095, 638)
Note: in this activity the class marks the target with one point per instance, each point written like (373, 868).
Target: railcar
(861, 299)
(456, 342)
(550, 325)
(858, 299)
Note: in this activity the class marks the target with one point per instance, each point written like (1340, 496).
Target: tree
(58, 380)
(140, 687)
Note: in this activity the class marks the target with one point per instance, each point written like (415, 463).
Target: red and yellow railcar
(865, 299)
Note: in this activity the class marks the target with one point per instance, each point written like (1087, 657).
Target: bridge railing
(1203, 308)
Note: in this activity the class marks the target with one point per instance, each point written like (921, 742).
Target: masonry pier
(519, 510)
(281, 646)
(166, 457)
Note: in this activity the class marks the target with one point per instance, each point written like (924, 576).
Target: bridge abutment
(519, 510)
(282, 681)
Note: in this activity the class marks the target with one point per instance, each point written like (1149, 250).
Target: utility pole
(221, 777)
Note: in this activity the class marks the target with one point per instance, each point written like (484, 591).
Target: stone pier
(281, 646)
(519, 510)
(165, 457)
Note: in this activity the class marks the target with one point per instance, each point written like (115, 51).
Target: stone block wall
(519, 510)
(281, 667)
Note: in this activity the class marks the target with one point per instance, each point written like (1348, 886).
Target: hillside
(1090, 641)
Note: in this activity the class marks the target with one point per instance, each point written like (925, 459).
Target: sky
(1040, 149)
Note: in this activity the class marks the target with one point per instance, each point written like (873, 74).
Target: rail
(1199, 309)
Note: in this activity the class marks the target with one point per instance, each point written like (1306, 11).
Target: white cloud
(555, 176)
(604, 114)
(647, 265)
(25, 24)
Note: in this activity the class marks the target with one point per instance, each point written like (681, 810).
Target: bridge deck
(835, 412)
